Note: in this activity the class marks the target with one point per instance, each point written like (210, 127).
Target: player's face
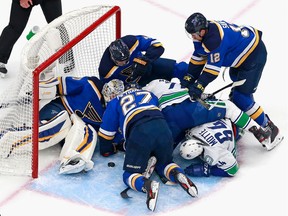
(196, 36)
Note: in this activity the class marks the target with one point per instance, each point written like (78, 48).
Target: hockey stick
(233, 84)
(207, 96)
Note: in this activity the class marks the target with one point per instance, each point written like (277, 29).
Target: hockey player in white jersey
(214, 144)
(182, 112)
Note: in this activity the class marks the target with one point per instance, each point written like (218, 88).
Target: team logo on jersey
(90, 113)
(127, 71)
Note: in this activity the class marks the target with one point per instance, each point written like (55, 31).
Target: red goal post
(71, 45)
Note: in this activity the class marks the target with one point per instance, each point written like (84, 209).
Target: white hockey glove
(48, 90)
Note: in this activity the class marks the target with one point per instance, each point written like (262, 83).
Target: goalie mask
(191, 148)
(112, 89)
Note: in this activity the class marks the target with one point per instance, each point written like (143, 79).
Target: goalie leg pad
(79, 146)
(53, 131)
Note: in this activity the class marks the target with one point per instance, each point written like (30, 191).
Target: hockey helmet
(195, 23)
(119, 51)
(191, 148)
(112, 89)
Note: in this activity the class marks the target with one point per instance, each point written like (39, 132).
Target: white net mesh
(16, 103)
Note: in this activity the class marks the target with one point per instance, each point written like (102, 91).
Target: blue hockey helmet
(195, 23)
(119, 51)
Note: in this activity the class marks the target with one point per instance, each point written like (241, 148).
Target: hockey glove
(205, 96)
(198, 170)
(120, 145)
(187, 81)
(196, 90)
(141, 65)
(107, 148)
(48, 90)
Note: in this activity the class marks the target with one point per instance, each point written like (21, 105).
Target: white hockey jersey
(168, 92)
(219, 143)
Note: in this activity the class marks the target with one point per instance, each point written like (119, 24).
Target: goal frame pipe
(35, 122)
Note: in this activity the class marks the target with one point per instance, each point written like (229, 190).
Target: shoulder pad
(130, 40)
(212, 39)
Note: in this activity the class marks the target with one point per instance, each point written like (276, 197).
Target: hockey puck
(111, 164)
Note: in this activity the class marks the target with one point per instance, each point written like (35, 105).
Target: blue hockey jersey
(224, 45)
(81, 96)
(133, 106)
(138, 46)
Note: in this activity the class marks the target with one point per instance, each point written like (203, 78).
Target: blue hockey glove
(120, 145)
(107, 147)
(196, 90)
(198, 170)
(141, 65)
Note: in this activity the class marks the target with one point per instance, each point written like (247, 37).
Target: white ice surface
(260, 187)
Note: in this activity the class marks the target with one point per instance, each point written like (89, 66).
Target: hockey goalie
(71, 110)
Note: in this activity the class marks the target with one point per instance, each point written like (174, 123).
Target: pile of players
(146, 106)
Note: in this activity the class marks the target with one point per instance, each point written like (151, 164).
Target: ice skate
(269, 137)
(3, 70)
(150, 167)
(275, 137)
(260, 134)
(151, 188)
(185, 183)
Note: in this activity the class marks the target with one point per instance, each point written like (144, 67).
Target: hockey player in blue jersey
(182, 113)
(146, 134)
(136, 58)
(71, 108)
(220, 44)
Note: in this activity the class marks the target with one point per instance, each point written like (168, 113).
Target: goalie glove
(141, 65)
(48, 90)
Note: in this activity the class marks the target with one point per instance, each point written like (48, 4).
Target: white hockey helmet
(191, 148)
(112, 89)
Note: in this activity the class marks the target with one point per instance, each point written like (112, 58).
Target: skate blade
(190, 189)
(278, 139)
(153, 201)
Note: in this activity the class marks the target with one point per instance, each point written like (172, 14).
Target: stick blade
(124, 194)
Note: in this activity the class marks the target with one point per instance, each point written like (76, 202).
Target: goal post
(71, 45)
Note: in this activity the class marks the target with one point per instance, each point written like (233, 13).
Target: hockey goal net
(71, 45)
